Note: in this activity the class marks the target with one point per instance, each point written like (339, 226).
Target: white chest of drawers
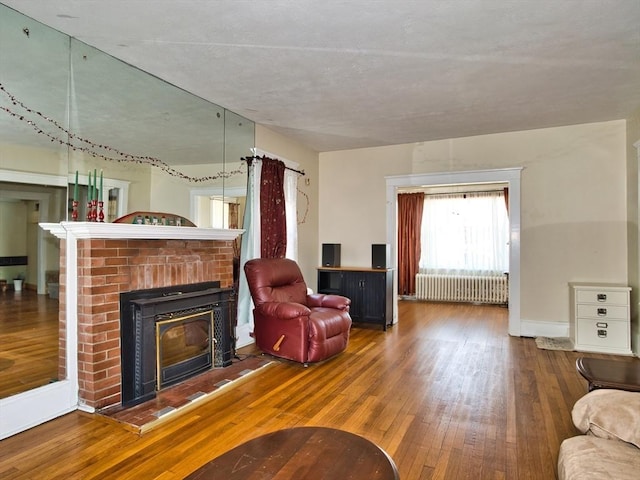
(600, 318)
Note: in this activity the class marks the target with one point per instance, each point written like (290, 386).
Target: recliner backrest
(275, 280)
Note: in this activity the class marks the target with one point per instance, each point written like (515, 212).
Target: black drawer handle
(602, 312)
(602, 297)
(602, 334)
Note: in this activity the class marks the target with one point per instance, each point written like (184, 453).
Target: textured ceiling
(348, 74)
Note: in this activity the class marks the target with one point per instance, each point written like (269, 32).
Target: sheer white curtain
(291, 212)
(465, 234)
(250, 243)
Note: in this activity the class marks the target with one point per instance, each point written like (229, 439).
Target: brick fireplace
(107, 267)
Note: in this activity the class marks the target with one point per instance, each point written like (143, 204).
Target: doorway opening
(510, 177)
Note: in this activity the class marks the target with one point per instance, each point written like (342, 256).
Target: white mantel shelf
(130, 231)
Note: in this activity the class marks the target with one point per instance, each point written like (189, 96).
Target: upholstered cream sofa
(610, 446)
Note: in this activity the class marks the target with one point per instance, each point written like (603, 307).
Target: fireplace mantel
(81, 230)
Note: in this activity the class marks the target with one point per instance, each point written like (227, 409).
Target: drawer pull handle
(602, 297)
(602, 312)
(602, 334)
(602, 325)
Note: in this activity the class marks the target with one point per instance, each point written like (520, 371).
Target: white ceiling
(348, 74)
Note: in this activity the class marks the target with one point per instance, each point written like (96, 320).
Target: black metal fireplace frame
(138, 310)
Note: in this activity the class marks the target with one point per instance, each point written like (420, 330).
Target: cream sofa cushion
(613, 414)
(586, 457)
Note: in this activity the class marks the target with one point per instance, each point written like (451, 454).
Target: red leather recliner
(290, 324)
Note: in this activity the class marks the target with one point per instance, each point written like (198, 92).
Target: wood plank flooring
(446, 392)
(28, 341)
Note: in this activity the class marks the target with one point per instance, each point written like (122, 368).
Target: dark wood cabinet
(370, 291)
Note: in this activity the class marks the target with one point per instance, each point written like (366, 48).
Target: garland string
(92, 148)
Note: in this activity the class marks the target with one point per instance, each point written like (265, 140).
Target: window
(219, 212)
(465, 234)
(224, 212)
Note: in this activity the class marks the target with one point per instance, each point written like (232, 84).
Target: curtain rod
(500, 190)
(251, 159)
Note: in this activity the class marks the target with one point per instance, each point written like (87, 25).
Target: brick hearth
(108, 267)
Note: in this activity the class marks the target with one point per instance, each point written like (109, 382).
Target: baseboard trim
(537, 328)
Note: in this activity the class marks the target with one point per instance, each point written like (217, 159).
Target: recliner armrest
(328, 301)
(284, 310)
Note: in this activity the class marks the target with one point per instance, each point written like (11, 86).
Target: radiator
(456, 288)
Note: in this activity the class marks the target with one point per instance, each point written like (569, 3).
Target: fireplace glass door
(184, 345)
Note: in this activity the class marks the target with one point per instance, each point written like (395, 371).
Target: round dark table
(311, 453)
(604, 373)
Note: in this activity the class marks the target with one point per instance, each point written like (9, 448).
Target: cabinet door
(352, 288)
(373, 297)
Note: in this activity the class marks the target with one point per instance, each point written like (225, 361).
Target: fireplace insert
(184, 345)
(170, 334)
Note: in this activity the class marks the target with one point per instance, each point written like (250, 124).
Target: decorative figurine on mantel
(156, 219)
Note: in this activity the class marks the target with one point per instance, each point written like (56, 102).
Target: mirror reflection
(76, 124)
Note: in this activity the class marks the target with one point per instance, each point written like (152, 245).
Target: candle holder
(101, 212)
(74, 210)
(89, 211)
(94, 210)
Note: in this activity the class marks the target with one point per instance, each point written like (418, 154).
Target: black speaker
(330, 254)
(379, 255)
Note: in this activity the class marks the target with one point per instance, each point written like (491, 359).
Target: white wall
(574, 216)
(51, 161)
(352, 198)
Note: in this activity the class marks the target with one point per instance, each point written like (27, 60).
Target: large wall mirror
(71, 115)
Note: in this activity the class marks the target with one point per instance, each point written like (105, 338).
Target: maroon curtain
(506, 199)
(273, 224)
(410, 207)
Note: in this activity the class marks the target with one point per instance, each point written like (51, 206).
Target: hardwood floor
(28, 341)
(446, 392)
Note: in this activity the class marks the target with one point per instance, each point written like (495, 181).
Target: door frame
(510, 176)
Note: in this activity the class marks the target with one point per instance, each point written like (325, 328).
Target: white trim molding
(81, 230)
(511, 176)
